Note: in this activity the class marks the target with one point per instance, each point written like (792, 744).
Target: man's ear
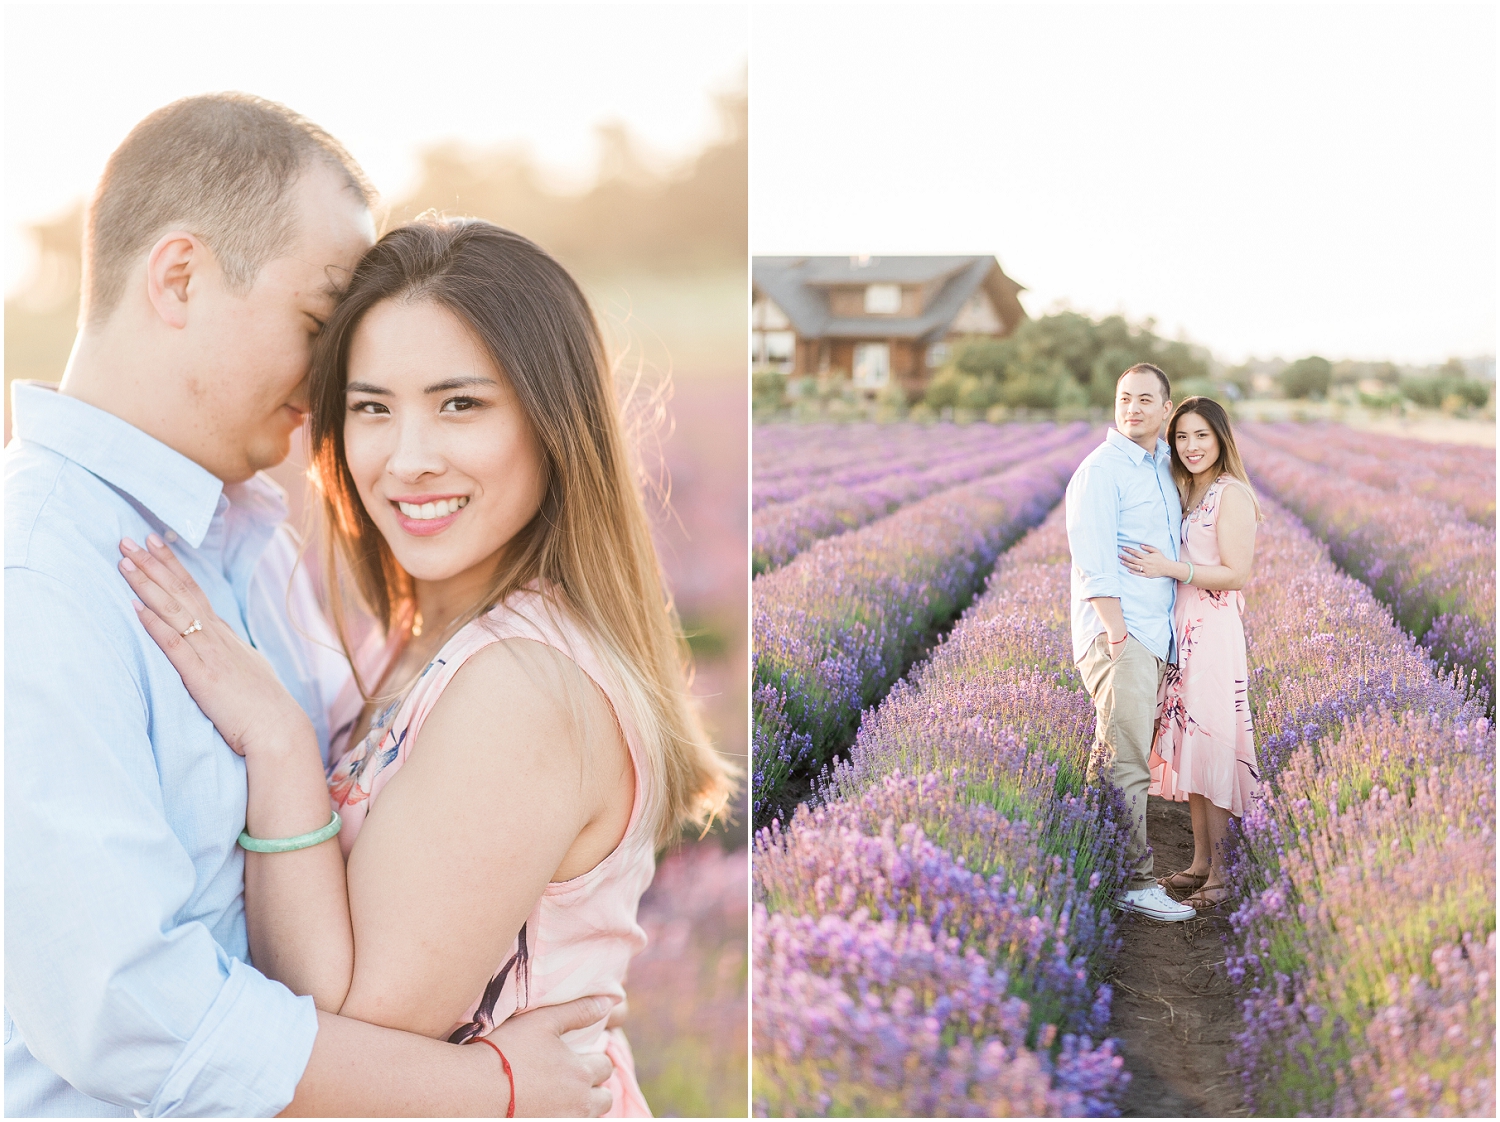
(175, 262)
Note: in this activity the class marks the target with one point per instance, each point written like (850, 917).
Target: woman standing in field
(1205, 747)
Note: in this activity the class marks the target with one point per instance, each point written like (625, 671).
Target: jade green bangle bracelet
(286, 845)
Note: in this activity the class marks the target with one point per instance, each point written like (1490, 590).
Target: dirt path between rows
(1174, 1009)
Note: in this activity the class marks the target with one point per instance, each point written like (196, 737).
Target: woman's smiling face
(1197, 446)
(440, 449)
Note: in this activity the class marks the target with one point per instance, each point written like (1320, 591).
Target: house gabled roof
(799, 286)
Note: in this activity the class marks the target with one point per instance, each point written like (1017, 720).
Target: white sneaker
(1155, 903)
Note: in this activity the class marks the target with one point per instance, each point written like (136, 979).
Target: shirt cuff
(247, 1056)
(1103, 585)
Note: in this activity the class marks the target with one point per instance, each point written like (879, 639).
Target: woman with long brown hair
(1205, 746)
(522, 719)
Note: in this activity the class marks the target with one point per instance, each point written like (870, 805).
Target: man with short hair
(216, 245)
(1123, 495)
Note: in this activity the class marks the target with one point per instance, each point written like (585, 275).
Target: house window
(882, 299)
(937, 354)
(872, 365)
(780, 350)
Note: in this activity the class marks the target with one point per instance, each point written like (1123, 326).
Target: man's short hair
(220, 166)
(1147, 368)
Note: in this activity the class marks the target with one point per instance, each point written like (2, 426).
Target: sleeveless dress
(582, 933)
(1204, 742)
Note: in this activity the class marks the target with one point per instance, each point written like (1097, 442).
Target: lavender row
(780, 532)
(1443, 475)
(814, 450)
(1364, 940)
(772, 494)
(933, 946)
(863, 453)
(1438, 575)
(1000, 706)
(836, 627)
(782, 448)
(1386, 1016)
(1466, 464)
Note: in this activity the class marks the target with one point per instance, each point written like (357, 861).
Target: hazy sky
(1270, 179)
(385, 79)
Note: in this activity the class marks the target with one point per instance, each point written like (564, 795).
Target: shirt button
(170, 535)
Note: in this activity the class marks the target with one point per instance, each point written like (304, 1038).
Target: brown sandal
(1208, 898)
(1183, 881)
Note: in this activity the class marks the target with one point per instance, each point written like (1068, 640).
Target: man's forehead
(1132, 384)
(333, 221)
(324, 269)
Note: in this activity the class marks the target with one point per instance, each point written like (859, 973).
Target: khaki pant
(1124, 693)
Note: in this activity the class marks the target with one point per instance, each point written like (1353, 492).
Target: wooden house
(878, 320)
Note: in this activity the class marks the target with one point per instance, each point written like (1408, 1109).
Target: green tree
(984, 357)
(978, 394)
(767, 390)
(1034, 385)
(1450, 389)
(1241, 377)
(1307, 377)
(1181, 364)
(1065, 361)
(942, 391)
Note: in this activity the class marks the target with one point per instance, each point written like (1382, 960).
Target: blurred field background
(658, 241)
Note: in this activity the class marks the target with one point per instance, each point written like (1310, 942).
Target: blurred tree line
(634, 219)
(1452, 386)
(1065, 361)
(1449, 388)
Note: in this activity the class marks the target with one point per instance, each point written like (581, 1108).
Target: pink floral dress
(1204, 742)
(582, 933)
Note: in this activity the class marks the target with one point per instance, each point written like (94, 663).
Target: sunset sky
(1268, 178)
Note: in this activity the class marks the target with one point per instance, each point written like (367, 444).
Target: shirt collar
(181, 495)
(1134, 450)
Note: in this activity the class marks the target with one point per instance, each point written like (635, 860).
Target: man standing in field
(1123, 494)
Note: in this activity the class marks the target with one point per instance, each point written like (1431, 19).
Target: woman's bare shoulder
(530, 690)
(1236, 500)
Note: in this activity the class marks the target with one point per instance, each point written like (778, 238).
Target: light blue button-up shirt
(127, 988)
(1123, 495)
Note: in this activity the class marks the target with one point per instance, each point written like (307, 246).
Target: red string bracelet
(510, 1111)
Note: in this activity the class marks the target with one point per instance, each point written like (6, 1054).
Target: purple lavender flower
(791, 461)
(1368, 861)
(837, 626)
(1433, 567)
(930, 939)
(1455, 475)
(932, 943)
(855, 1016)
(781, 531)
